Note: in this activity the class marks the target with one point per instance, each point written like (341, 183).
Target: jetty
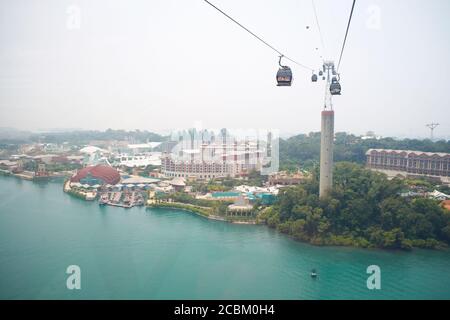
(122, 199)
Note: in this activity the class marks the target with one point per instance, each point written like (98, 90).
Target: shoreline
(28, 176)
(184, 207)
(191, 209)
(150, 235)
(218, 218)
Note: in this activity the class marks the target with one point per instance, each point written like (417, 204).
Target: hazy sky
(168, 64)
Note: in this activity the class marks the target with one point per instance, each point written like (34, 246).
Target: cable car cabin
(320, 73)
(335, 87)
(284, 76)
(314, 78)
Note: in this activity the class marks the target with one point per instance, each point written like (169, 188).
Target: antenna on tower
(432, 126)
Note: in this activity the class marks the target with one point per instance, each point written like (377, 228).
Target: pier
(122, 199)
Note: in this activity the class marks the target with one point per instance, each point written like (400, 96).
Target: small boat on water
(104, 199)
(313, 273)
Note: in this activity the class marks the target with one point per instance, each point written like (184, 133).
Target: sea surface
(143, 253)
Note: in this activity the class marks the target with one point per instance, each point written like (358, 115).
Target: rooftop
(408, 152)
(178, 182)
(106, 173)
(144, 145)
(139, 180)
(91, 149)
(446, 204)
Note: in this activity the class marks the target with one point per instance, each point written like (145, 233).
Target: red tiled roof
(105, 173)
(446, 204)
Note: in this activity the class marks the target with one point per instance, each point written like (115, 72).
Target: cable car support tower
(327, 133)
(330, 73)
(432, 126)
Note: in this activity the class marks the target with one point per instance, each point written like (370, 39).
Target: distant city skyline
(167, 65)
(168, 132)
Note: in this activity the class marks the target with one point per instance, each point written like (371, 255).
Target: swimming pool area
(228, 194)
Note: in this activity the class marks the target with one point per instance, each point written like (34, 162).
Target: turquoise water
(167, 254)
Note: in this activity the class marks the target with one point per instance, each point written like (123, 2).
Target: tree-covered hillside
(304, 149)
(84, 136)
(12, 137)
(365, 209)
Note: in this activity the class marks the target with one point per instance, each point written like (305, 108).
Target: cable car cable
(318, 27)
(257, 37)
(346, 33)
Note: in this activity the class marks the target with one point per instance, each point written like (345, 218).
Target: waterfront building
(96, 175)
(240, 207)
(41, 170)
(8, 165)
(406, 163)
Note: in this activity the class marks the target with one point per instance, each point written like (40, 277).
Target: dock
(121, 199)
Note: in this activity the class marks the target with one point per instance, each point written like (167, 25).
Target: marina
(126, 199)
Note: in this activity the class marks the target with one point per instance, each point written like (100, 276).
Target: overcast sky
(169, 64)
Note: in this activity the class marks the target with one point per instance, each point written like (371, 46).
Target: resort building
(202, 155)
(407, 163)
(192, 170)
